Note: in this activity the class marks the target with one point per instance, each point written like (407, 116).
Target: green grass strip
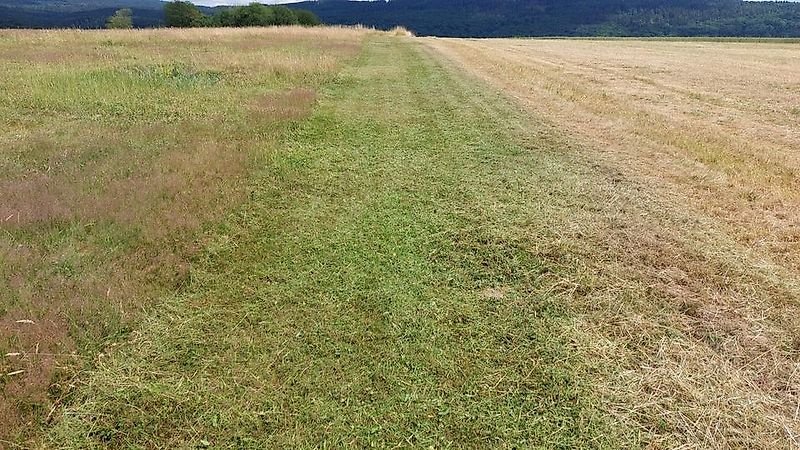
(377, 290)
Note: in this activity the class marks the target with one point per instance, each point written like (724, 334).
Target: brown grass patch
(290, 105)
(401, 31)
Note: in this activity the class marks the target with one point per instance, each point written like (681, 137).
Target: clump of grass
(179, 74)
(401, 31)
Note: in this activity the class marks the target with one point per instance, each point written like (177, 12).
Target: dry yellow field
(701, 141)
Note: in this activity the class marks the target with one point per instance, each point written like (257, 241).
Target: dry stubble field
(701, 141)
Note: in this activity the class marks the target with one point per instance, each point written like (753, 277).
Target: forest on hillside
(503, 18)
(469, 18)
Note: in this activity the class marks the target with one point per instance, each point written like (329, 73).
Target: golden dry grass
(116, 149)
(695, 242)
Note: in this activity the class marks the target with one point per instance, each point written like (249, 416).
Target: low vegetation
(226, 238)
(118, 149)
(369, 293)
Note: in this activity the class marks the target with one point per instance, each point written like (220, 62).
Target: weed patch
(178, 75)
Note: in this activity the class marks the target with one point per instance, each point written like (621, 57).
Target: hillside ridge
(471, 18)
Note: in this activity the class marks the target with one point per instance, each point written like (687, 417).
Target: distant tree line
(122, 19)
(468, 18)
(504, 18)
(185, 14)
(712, 18)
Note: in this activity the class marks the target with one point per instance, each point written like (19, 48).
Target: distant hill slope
(76, 14)
(477, 18)
(495, 18)
(95, 18)
(80, 5)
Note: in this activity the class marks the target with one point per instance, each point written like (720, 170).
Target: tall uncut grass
(118, 148)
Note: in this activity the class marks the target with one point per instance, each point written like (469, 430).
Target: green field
(273, 238)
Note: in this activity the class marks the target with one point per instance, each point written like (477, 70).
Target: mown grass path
(381, 287)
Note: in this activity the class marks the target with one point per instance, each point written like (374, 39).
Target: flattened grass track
(381, 287)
